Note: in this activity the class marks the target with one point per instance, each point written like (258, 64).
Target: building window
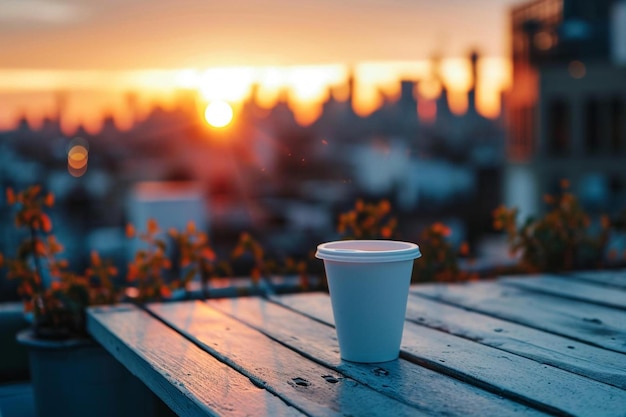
(529, 123)
(592, 134)
(617, 125)
(558, 127)
(617, 190)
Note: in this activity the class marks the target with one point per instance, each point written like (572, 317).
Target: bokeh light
(77, 157)
(577, 69)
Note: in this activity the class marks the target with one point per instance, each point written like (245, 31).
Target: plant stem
(37, 261)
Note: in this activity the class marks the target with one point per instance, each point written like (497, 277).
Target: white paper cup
(368, 282)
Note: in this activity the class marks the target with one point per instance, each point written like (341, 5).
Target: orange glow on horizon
(90, 95)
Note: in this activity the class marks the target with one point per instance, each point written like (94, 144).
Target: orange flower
(191, 227)
(46, 223)
(565, 183)
(255, 274)
(27, 289)
(185, 261)
(153, 226)
(95, 259)
(605, 222)
(133, 273)
(34, 190)
(441, 229)
(238, 251)
(548, 199)
(49, 200)
(464, 249)
(56, 286)
(386, 232)
(10, 196)
(245, 238)
(208, 254)
(54, 245)
(165, 292)
(385, 206)
(40, 248)
(130, 231)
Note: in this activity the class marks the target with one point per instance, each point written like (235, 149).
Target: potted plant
(562, 239)
(71, 374)
(439, 260)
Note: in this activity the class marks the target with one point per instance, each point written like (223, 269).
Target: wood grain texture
(609, 278)
(312, 388)
(524, 380)
(597, 325)
(590, 361)
(187, 379)
(428, 391)
(566, 287)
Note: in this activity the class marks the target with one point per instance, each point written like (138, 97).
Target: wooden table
(516, 346)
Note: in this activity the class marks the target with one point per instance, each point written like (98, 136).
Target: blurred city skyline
(303, 48)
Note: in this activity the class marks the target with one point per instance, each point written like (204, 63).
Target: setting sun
(218, 113)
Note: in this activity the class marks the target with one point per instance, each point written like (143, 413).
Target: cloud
(40, 11)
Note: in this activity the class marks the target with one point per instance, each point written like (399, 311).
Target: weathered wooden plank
(566, 287)
(590, 361)
(610, 278)
(438, 394)
(309, 386)
(191, 382)
(588, 323)
(513, 376)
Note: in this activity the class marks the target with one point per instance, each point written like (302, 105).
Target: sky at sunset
(155, 46)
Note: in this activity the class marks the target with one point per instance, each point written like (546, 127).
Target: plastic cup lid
(368, 251)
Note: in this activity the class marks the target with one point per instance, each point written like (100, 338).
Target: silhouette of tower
(408, 102)
(442, 102)
(471, 94)
(60, 100)
(351, 82)
(133, 106)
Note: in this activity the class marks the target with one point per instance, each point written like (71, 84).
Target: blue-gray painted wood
(590, 361)
(610, 278)
(191, 382)
(597, 325)
(312, 388)
(510, 375)
(437, 394)
(566, 287)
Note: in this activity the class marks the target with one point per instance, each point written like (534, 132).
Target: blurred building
(567, 106)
